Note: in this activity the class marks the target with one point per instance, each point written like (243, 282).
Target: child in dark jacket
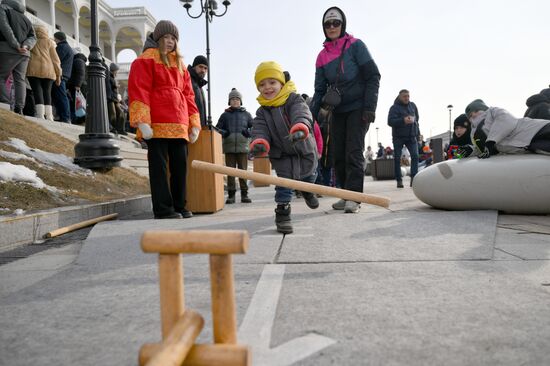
(283, 128)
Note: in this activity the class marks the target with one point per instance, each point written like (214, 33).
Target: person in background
(460, 138)
(538, 105)
(235, 124)
(346, 65)
(59, 92)
(74, 84)
(283, 128)
(17, 38)
(116, 115)
(162, 107)
(380, 152)
(43, 70)
(495, 130)
(198, 71)
(403, 119)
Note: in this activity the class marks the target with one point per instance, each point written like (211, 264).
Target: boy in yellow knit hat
(283, 129)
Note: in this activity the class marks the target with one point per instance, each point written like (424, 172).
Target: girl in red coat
(162, 107)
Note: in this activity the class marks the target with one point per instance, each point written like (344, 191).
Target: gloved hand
(299, 132)
(146, 131)
(489, 150)
(368, 116)
(464, 151)
(245, 132)
(194, 135)
(225, 133)
(259, 148)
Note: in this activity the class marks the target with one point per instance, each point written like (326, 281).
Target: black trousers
(234, 160)
(167, 157)
(541, 141)
(347, 133)
(42, 90)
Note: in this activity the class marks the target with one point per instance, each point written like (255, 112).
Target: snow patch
(47, 157)
(18, 173)
(15, 156)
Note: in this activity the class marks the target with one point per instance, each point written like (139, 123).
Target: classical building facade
(119, 28)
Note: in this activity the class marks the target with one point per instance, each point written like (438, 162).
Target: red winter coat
(161, 96)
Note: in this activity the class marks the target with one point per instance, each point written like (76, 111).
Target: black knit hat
(200, 60)
(113, 67)
(163, 28)
(60, 36)
(462, 121)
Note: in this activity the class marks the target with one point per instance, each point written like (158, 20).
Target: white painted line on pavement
(257, 325)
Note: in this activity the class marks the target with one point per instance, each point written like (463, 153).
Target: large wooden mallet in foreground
(293, 184)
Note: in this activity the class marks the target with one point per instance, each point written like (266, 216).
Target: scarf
(281, 98)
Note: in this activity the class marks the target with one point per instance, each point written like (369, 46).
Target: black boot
(230, 197)
(311, 200)
(282, 218)
(244, 197)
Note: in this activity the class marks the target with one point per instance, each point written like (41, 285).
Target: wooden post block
(205, 355)
(204, 192)
(181, 338)
(294, 184)
(171, 291)
(224, 318)
(263, 166)
(195, 241)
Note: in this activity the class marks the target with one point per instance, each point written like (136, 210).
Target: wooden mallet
(293, 184)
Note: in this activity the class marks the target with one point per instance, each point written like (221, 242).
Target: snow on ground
(18, 173)
(15, 156)
(47, 157)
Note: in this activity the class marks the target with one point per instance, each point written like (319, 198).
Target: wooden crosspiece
(181, 327)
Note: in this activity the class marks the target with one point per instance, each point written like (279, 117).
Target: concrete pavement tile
(393, 236)
(524, 245)
(430, 313)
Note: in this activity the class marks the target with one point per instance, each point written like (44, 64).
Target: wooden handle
(224, 318)
(79, 225)
(204, 354)
(293, 184)
(172, 301)
(177, 345)
(196, 241)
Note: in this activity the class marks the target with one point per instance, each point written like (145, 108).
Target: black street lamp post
(377, 136)
(97, 148)
(208, 8)
(450, 108)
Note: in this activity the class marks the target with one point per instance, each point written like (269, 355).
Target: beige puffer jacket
(44, 62)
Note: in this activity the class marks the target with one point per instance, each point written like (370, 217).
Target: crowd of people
(317, 140)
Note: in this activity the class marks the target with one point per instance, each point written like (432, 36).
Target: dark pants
(61, 101)
(411, 144)
(167, 157)
(16, 65)
(348, 138)
(234, 160)
(42, 90)
(541, 141)
(116, 116)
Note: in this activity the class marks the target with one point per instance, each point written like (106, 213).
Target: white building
(119, 28)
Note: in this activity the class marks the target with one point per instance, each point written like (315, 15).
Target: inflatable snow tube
(509, 183)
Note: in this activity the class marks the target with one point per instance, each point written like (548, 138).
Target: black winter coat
(112, 89)
(198, 83)
(66, 55)
(15, 28)
(235, 125)
(538, 107)
(78, 73)
(396, 116)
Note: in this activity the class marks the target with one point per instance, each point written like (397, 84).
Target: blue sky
(445, 52)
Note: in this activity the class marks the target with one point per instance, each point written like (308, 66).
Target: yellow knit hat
(269, 70)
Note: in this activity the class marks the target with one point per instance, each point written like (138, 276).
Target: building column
(113, 51)
(52, 13)
(76, 28)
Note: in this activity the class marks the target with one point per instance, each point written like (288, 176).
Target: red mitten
(299, 132)
(259, 147)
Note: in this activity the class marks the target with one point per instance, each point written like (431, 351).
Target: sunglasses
(332, 23)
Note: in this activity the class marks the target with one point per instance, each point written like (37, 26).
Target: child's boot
(230, 197)
(282, 218)
(311, 200)
(244, 196)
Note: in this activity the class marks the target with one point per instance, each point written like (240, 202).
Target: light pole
(450, 108)
(377, 142)
(97, 149)
(208, 8)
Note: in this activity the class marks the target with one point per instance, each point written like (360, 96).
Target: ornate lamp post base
(97, 151)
